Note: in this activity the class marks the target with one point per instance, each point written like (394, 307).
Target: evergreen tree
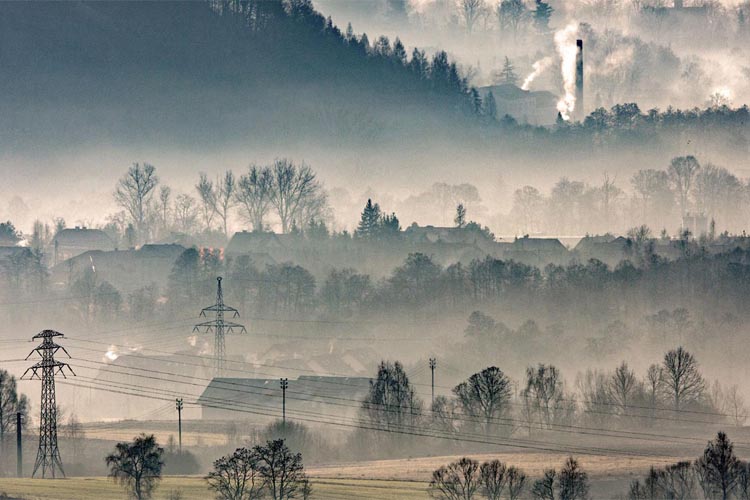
(419, 65)
(508, 74)
(389, 226)
(460, 219)
(399, 52)
(349, 33)
(476, 101)
(490, 106)
(541, 16)
(369, 221)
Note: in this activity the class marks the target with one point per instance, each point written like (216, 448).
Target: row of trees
(419, 284)
(465, 479)
(485, 404)
(717, 474)
(269, 470)
(292, 191)
(660, 198)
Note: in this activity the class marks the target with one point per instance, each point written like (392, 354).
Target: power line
(402, 429)
(499, 421)
(570, 400)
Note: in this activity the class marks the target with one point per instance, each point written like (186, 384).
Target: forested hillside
(187, 72)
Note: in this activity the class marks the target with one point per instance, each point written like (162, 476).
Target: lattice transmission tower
(219, 327)
(48, 455)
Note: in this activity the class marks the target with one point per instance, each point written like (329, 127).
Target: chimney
(580, 112)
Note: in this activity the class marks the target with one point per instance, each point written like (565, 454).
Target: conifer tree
(508, 74)
(490, 106)
(460, 219)
(369, 221)
(541, 16)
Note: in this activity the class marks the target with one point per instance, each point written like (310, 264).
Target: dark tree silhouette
(573, 482)
(281, 470)
(236, 477)
(682, 378)
(718, 469)
(137, 465)
(485, 397)
(458, 480)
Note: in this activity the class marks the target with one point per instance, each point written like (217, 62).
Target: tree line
(488, 404)
(661, 199)
(293, 192)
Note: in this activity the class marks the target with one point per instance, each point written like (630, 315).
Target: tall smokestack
(580, 113)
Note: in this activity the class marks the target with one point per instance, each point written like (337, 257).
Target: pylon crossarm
(221, 308)
(231, 327)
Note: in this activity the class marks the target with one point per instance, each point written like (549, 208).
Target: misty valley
(375, 249)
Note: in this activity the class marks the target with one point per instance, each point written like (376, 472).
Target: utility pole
(19, 446)
(219, 327)
(2, 429)
(433, 364)
(48, 455)
(178, 405)
(284, 384)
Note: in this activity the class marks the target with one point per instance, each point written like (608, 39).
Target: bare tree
(134, 192)
(654, 386)
(236, 476)
(225, 198)
(623, 385)
(165, 200)
(485, 396)
(493, 476)
(458, 480)
(649, 185)
(516, 482)
(544, 385)
(471, 11)
(207, 196)
(573, 482)
(683, 381)
(677, 481)
(735, 405)
(185, 213)
(253, 193)
(742, 489)
(512, 15)
(294, 189)
(281, 470)
(610, 193)
(544, 488)
(527, 205)
(681, 171)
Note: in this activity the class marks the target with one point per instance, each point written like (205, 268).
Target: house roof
(539, 244)
(95, 239)
(222, 391)
(433, 234)
(254, 242)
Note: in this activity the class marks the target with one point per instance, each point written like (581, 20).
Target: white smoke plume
(538, 68)
(565, 43)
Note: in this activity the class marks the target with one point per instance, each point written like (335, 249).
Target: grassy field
(191, 487)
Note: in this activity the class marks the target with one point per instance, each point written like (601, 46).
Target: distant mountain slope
(182, 72)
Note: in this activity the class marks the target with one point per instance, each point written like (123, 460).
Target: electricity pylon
(219, 327)
(48, 455)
